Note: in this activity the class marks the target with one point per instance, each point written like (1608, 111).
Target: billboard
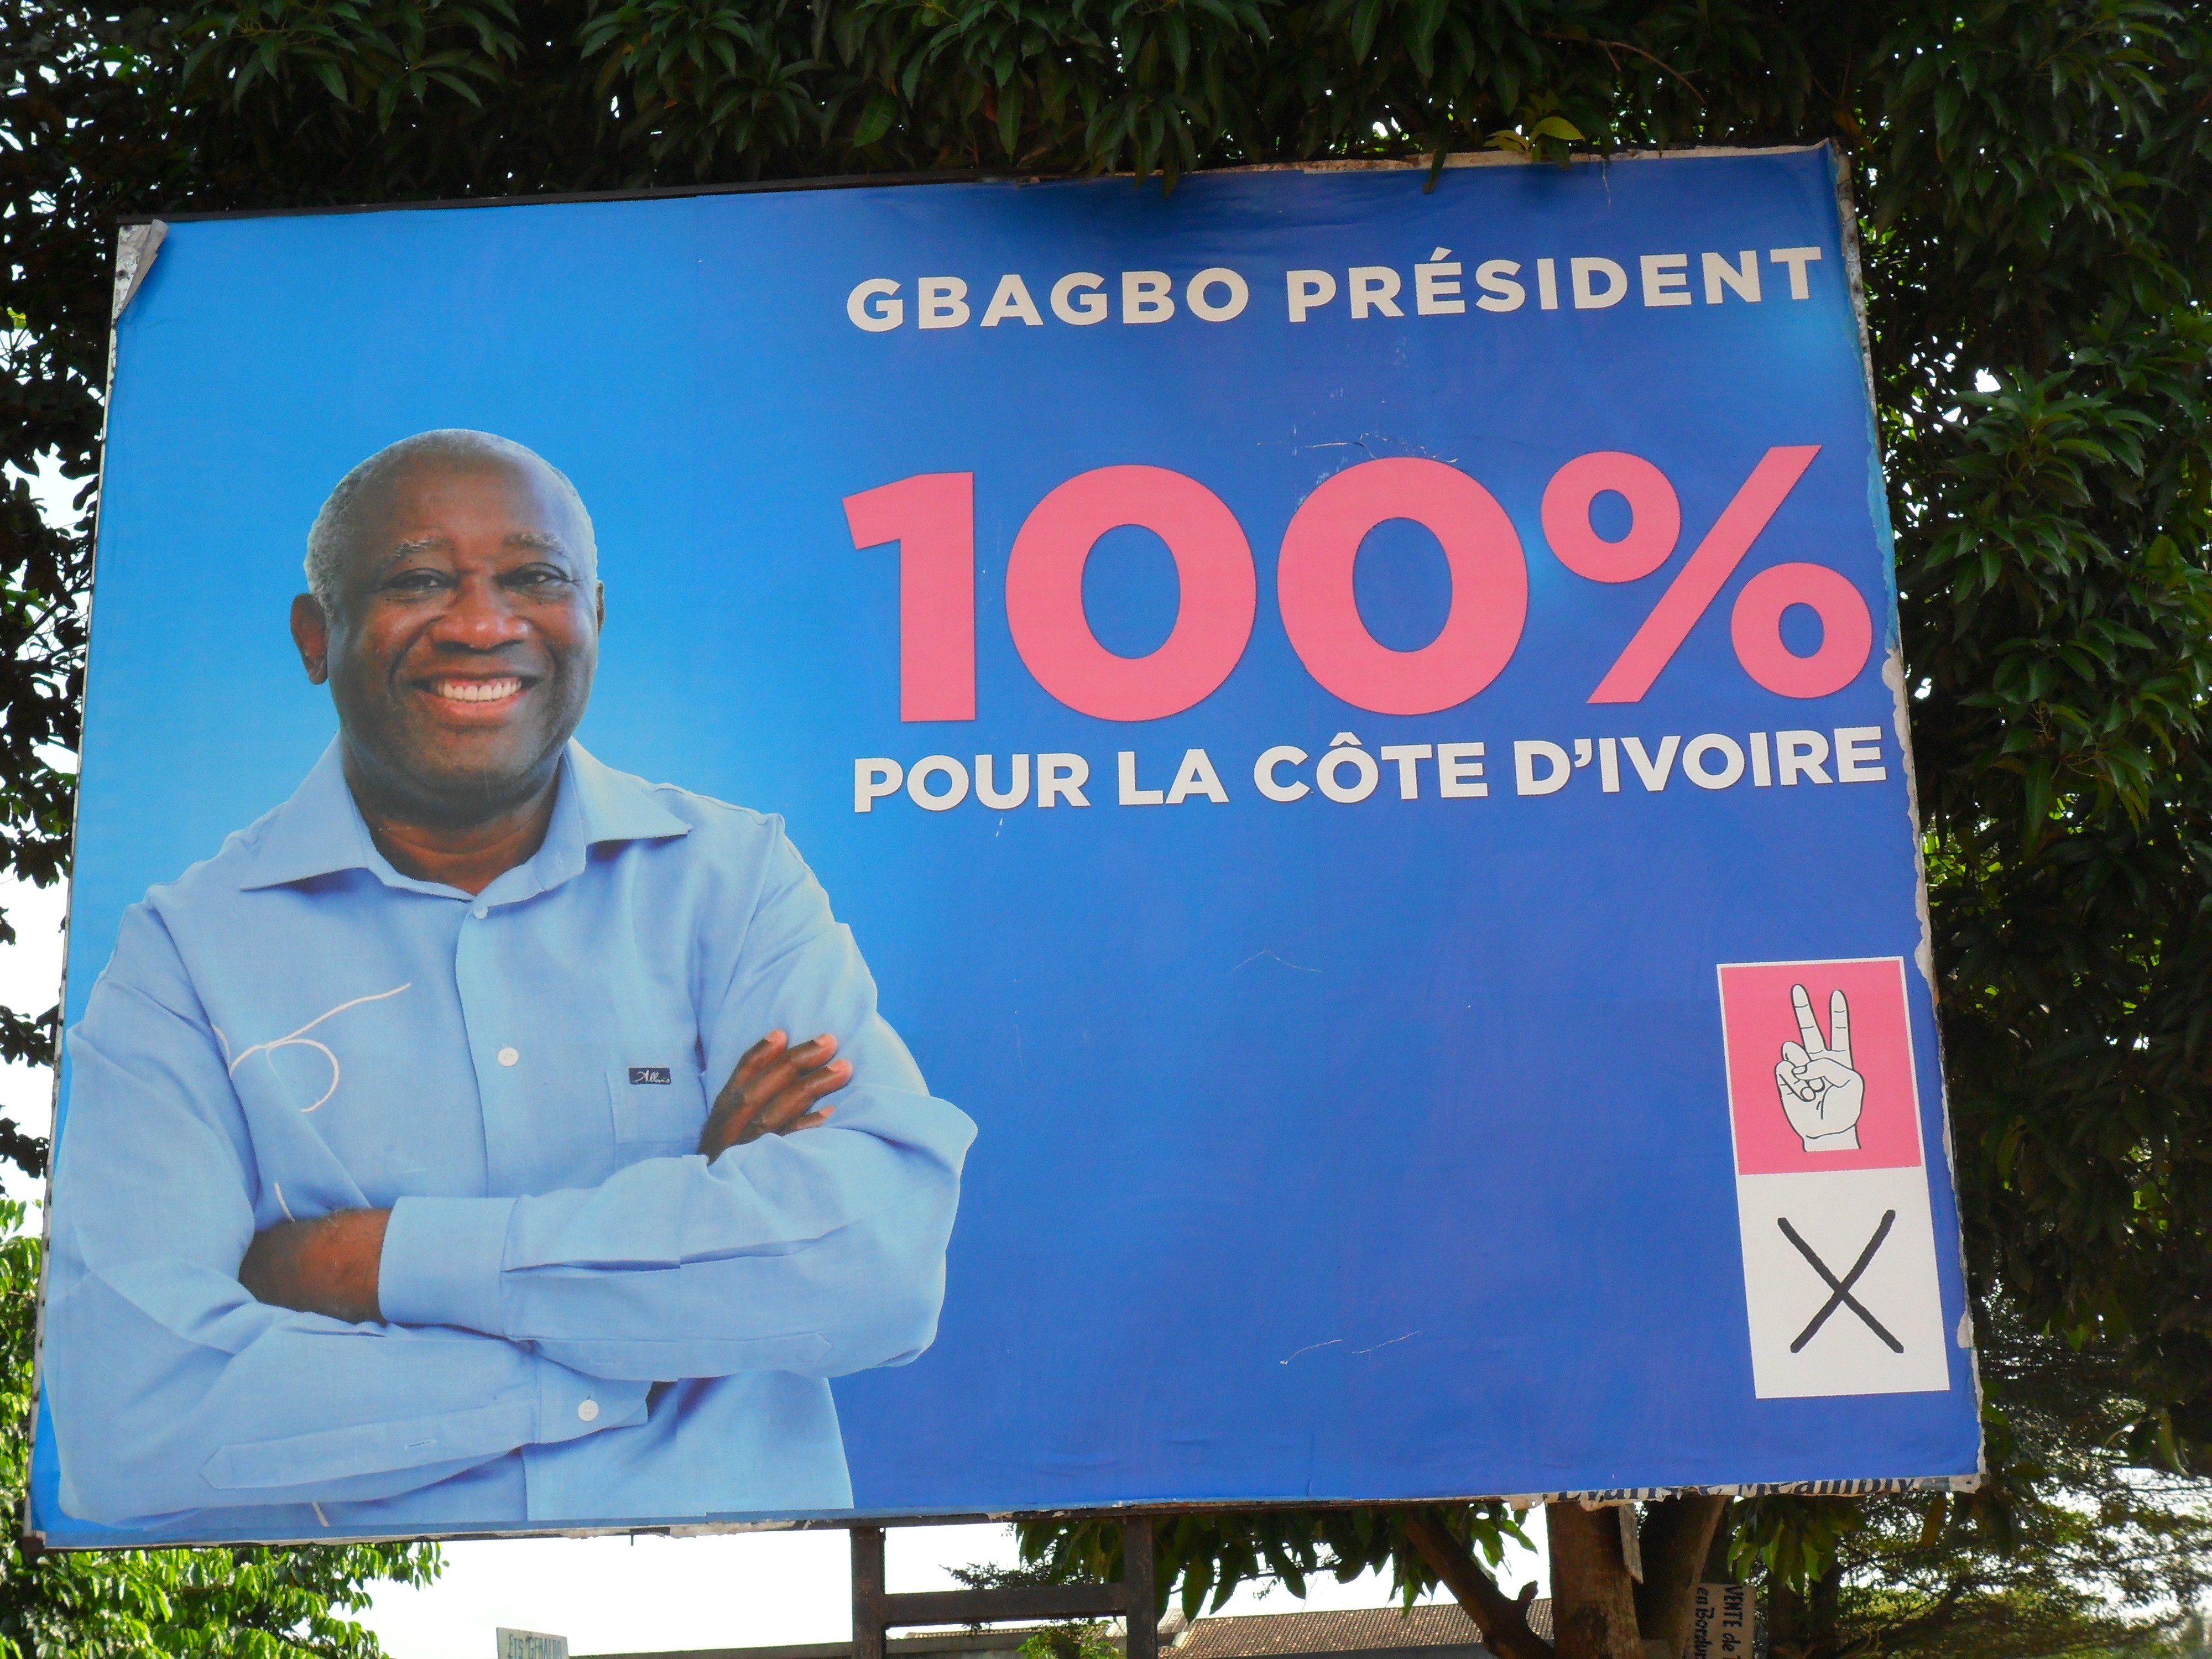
(929, 850)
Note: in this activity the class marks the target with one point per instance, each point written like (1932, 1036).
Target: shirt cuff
(571, 1405)
(442, 1260)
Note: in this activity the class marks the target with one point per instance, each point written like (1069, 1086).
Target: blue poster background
(1326, 1151)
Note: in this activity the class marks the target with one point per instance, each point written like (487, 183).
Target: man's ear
(599, 608)
(310, 632)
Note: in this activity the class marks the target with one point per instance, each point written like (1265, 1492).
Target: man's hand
(772, 1092)
(1821, 1092)
(326, 1266)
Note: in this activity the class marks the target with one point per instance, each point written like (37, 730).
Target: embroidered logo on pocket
(649, 1074)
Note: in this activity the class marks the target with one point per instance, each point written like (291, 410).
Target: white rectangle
(1886, 1336)
(1722, 1627)
(531, 1645)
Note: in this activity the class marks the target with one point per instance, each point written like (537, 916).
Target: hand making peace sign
(1821, 1092)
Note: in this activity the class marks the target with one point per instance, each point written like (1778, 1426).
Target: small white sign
(1722, 1626)
(531, 1645)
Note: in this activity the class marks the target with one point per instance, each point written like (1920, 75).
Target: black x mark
(1841, 1295)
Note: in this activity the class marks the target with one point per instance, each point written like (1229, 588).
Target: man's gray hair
(330, 540)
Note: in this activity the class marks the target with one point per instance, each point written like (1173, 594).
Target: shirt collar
(320, 832)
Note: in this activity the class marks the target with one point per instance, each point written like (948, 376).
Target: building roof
(996, 1641)
(1436, 1631)
(1350, 1629)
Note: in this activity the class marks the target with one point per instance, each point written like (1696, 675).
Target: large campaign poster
(987, 847)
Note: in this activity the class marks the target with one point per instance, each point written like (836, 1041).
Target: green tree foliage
(1209, 1553)
(224, 1604)
(1069, 1638)
(2034, 184)
(2076, 1548)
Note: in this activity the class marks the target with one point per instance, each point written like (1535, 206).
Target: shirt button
(509, 1057)
(588, 1412)
(481, 912)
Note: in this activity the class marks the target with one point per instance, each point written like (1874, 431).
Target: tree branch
(1606, 46)
(1504, 1628)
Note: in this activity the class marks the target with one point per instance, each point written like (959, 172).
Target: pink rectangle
(1802, 1096)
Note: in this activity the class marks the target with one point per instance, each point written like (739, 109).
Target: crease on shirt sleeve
(161, 1075)
(771, 1197)
(786, 879)
(143, 943)
(872, 1293)
(202, 1307)
(370, 1447)
(801, 1351)
(139, 1410)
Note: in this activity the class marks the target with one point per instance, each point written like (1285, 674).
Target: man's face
(466, 635)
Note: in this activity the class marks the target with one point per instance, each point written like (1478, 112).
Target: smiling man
(485, 1138)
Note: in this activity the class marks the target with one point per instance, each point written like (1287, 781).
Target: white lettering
(1362, 763)
(941, 301)
(874, 779)
(1309, 290)
(1652, 771)
(871, 306)
(1409, 757)
(1525, 756)
(1348, 774)
(1146, 296)
(1858, 755)
(1796, 258)
(1458, 767)
(989, 796)
(1196, 776)
(1433, 286)
(1800, 755)
(1131, 795)
(1375, 286)
(930, 766)
(1212, 277)
(1263, 772)
(1744, 282)
(1061, 777)
(1499, 291)
(1441, 288)
(1666, 279)
(1712, 744)
(1011, 300)
(1075, 297)
(1587, 298)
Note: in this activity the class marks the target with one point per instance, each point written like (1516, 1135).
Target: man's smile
(454, 689)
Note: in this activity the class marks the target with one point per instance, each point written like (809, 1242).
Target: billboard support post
(1133, 1600)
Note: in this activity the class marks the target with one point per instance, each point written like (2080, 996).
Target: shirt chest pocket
(658, 1110)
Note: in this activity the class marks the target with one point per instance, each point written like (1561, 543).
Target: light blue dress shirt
(588, 1323)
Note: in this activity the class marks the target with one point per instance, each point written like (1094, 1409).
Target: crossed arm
(329, 1264)
(176, 1387)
